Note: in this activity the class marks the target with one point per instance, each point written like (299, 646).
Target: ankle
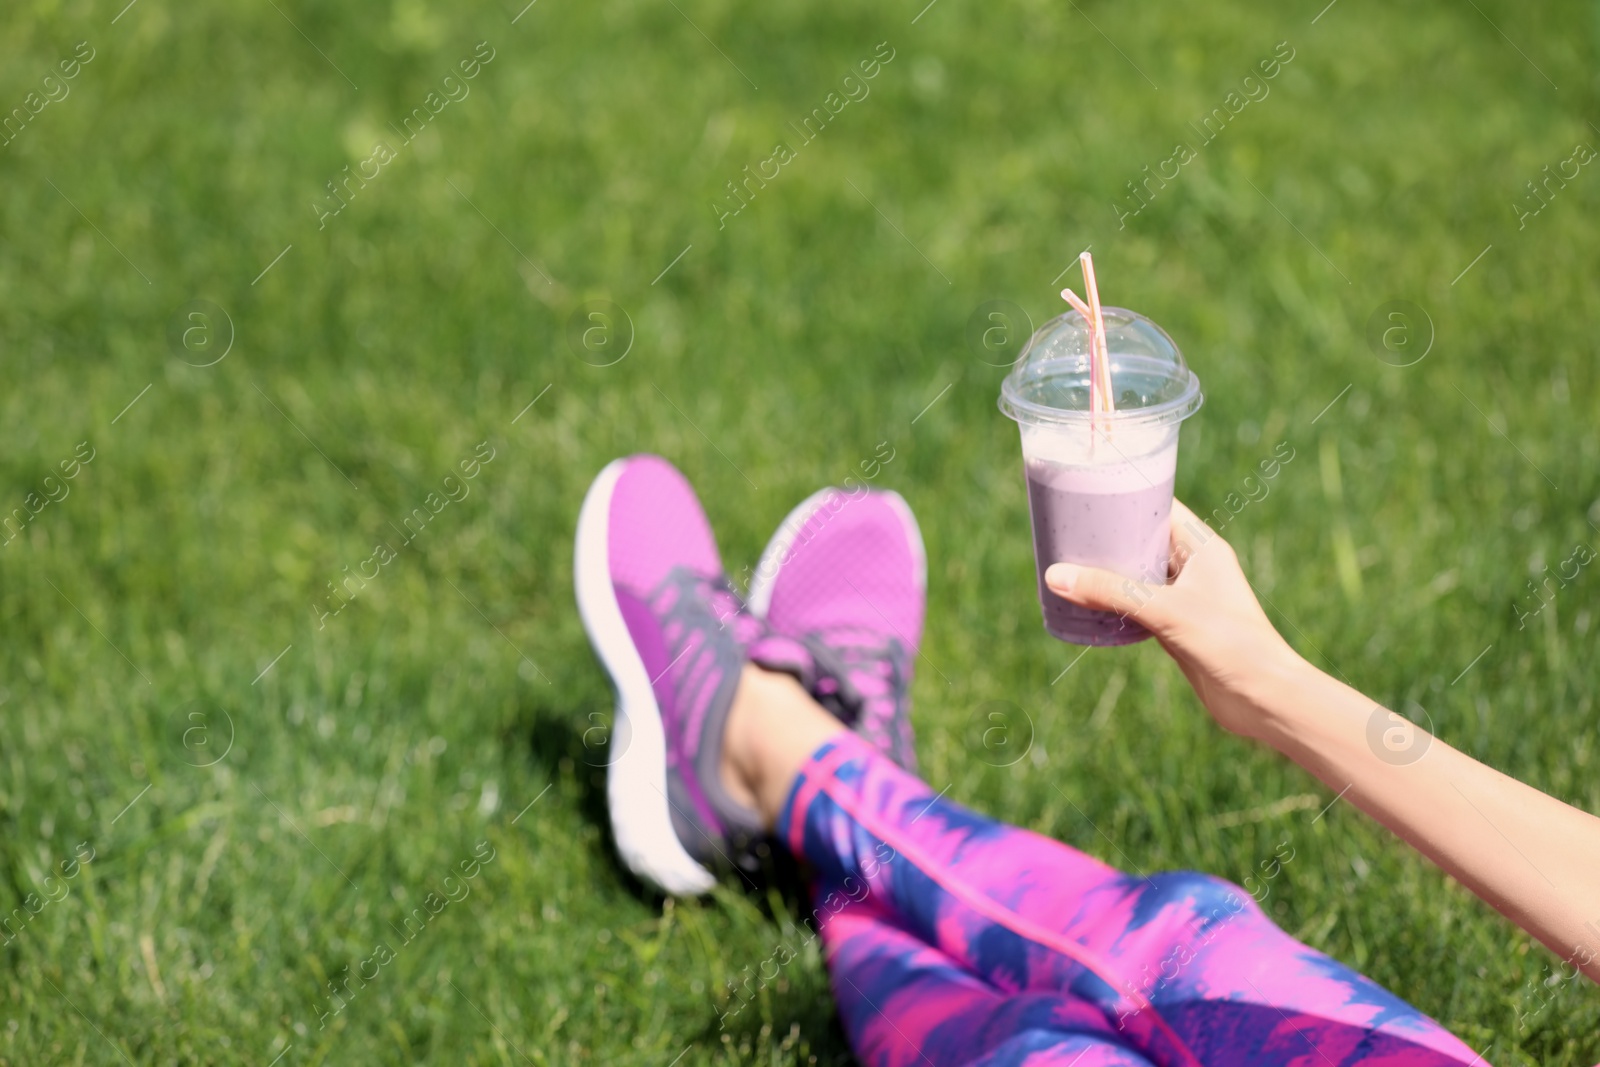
(741, 764)
(761, 705)
(773, 727)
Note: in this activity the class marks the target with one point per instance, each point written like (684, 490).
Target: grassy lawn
(254, 781)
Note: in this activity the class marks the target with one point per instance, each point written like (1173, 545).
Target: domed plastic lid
(1150, 382)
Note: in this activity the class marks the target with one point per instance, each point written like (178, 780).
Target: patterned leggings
(955, 940)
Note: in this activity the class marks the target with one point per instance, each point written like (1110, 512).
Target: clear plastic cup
(1100, 487)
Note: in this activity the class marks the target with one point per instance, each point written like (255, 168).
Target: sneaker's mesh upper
(849, 583)
(690, 630)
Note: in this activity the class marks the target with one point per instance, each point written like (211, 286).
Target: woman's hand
(1206, 617)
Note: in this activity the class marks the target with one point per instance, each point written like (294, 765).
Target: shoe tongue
(777, 652)
(815, 667)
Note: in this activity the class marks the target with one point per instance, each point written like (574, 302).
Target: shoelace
(695, 612)
(870, 678)
(729, 609)
(688, 601)
(859, 677)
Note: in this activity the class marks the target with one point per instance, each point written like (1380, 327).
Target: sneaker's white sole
(766, 574)
(636, 764)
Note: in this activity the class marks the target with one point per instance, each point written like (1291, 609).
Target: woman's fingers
(1189, 531)
(1190, 536)
(1152, 605)
(1103, 590)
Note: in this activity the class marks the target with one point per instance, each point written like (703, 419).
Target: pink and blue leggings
(955, 940)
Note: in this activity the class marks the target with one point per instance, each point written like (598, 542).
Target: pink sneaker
(672, 633)
(847, 577)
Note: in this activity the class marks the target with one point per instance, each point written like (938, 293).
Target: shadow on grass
(801, 1020)
(567, 728)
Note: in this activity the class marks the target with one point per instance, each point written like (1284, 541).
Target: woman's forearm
(1533, 858)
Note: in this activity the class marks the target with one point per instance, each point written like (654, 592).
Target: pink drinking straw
(1096, 403)
(1102, 365)
(1100, 396)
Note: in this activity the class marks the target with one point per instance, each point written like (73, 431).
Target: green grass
(457, 688)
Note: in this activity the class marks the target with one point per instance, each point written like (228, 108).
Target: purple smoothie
(1117, 517)
(1100, 476)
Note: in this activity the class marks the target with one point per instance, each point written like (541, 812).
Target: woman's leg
(906, 1004)
(1182, 965)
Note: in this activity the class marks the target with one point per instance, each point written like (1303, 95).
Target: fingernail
(1061, 576)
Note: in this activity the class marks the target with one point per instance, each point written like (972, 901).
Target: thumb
(1103, 590)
